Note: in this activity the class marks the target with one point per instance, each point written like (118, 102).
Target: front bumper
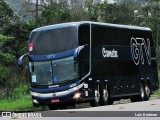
(62, 100)
(62, 97)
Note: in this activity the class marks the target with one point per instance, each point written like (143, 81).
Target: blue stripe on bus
(51, 56)
(56, 89)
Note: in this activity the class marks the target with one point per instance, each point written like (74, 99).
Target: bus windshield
(53, 72)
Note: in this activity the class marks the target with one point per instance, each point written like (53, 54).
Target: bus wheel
(141, 96)
(52, 107)
(104, 96)
(147, 92)
(96, 101)
(142, 93)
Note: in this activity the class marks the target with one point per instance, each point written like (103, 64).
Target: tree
(112, 13)
(54, 13)
(6, 14)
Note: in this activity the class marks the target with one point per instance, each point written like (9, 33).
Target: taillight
(30, 46)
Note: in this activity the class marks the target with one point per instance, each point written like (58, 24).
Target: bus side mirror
(76, 53)
(75, 56)
(20, 61)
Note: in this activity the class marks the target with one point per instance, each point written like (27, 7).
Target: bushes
(12, 84)
(11, 79)
(13, 43)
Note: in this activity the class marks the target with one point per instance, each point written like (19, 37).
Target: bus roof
(77, 24)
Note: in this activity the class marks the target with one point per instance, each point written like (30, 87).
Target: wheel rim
(105, 95)
(97, 96)
(142, 92)
(147, 90)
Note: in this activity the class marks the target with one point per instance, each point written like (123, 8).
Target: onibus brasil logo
(139, 48)
(19, 115)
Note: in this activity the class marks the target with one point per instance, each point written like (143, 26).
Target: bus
(93, 62)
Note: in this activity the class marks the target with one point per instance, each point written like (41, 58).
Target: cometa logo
(109, 53)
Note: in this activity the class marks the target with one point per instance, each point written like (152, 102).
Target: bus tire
(104, 95)
(96, 101)
(141, 96)
(142, 92)
(147, 92)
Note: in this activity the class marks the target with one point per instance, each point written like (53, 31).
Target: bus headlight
(35, 101)
(77, 95)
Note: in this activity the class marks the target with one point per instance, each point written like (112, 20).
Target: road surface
(151, 105)
(147, 110)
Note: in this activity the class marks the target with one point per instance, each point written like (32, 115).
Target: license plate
(55, 101)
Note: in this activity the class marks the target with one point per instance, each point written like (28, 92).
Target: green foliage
(9, 80)
(3, 38)
(53, 14)
(10, 77)
(6, 14)
(18, 44)
(157, 94)
(5, 57)
(3, 73)
(13, 43)
(113, 13)
(21, 90)
(23, 103)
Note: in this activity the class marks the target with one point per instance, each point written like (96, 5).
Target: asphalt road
(151, 105)
(149, 110)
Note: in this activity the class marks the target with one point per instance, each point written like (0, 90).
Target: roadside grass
(157, 94)
(21, 104)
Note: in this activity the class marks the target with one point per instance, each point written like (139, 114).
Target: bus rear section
(123, 63)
